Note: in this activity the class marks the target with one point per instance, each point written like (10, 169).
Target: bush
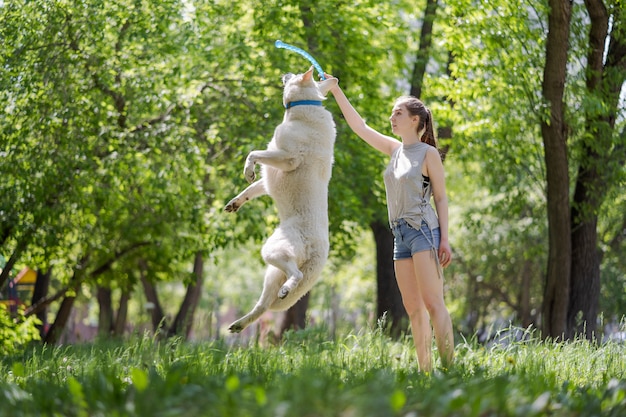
(16, 330)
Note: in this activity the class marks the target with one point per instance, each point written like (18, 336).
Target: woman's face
(402, 122)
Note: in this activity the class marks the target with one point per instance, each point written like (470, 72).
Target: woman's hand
(445, 253)
(328, 76)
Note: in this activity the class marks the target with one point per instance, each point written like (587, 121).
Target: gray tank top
(406, 196)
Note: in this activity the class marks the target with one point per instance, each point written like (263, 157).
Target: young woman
(421, 248)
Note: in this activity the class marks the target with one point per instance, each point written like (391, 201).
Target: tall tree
(601, 159)
(554, 132)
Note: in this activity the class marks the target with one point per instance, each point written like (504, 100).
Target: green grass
(363, 374)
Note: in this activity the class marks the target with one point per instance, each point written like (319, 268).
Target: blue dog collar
(303, 103)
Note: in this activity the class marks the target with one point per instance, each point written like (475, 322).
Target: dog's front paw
(236, 327)
(232, 206)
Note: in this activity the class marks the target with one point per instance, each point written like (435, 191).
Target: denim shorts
(407, 240)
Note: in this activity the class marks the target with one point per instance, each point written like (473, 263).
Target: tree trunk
(156, 312)
(63, 315)
(56, 330)
(42, 286)
(444, 131)
(554, 133)
(122, 314)
(295, 317)
(105, 315)
(423, 52)
(184, 319)
(524, 295)
(585, 280)
(389, 300)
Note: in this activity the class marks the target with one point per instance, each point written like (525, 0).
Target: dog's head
(298, 87)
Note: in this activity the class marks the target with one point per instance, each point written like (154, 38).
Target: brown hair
(416, 107)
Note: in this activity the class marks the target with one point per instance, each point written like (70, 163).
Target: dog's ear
(327, 84)
(309, 74)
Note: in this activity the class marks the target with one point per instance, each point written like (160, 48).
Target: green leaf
(397, 400)
(140, 380)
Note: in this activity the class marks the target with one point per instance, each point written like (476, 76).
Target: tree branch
(116, 256)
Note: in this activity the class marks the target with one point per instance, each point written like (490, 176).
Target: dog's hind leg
(291, 283)
(254, 190)
(311, 271)
(290, 268)
(281, 255)
(274, 278)
(295, 276)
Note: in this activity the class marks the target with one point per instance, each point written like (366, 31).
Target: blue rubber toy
(281, 44)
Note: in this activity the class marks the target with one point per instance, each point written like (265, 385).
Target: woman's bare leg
(430, 285)
(416, 310)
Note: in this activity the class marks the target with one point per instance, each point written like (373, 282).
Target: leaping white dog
(296, 168)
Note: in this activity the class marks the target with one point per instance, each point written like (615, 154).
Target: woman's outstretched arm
(375, 139)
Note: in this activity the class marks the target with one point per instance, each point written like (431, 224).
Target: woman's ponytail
(429, 131)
